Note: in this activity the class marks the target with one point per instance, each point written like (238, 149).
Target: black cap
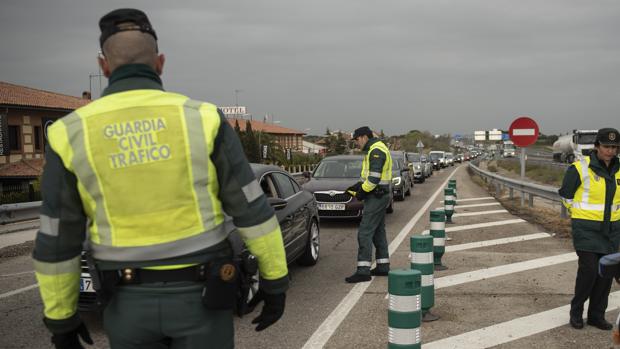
(109, 24)
(608, 136)
(362, 131)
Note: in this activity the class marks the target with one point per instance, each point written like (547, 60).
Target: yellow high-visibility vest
(386, 172)
(589, 200)
(114, 144)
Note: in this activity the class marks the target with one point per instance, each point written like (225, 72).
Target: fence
(532, 190)
(18, 192)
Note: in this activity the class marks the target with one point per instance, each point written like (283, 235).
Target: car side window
(284, 184)
(269, 189)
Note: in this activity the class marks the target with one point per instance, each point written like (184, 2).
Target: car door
(293, 222)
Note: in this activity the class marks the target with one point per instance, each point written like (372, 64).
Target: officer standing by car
(589, 191)
(154, 175)
(374, 189)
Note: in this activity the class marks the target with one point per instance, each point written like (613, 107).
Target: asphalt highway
(506, 286)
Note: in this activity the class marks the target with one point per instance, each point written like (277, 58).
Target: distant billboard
(495, 135)
(480, 135)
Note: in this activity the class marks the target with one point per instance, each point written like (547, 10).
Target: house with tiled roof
(25, 112)
(285, 137)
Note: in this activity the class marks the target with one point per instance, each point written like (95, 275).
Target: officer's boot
(362, 274)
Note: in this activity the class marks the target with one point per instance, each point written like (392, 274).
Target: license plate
(86, 285)
(331, 207)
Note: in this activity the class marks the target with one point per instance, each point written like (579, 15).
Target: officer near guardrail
(154, 175)
(589, 191)
(374, 189)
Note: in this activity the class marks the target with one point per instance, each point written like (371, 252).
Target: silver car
(427, 166)
(416, 166)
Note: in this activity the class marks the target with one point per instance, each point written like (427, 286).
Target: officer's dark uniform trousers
(372, 231)
(590, 285)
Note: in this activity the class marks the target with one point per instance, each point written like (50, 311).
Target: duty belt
(132, 276)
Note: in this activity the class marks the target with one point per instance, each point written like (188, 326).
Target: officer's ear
(104, 65)
(159, 63)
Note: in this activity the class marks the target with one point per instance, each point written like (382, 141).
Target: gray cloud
(444, 66)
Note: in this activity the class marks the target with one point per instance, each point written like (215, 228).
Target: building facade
(24, 115)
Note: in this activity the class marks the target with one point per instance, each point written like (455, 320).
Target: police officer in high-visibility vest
(374, 189)
(589, 191)
(160, 181)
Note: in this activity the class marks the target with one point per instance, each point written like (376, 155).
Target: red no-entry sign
(523, 131)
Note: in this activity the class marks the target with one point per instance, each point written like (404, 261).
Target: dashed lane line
(473, 205)
(501, 270)
(323, 333)
(514, 329)
(16, 274)
(495, 242)
(474, 199)
(480, 213)
(18, 291)
(480, 225)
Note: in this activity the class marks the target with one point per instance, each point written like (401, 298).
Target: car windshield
(343, 168)
(414, 157)
(435, 156)
(587, 138)
(395, 165)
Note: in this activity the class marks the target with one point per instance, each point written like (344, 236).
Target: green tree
(251, 146)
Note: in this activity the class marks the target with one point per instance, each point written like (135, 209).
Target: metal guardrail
(12, 213)
(531, 189)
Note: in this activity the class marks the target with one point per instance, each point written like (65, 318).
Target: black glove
(361, 194)
(70, 340)
(355, 187)
(272, 310)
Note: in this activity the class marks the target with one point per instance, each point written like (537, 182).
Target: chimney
(86, 95)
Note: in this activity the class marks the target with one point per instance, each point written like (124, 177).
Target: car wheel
(390, 208)
(311, 251)
(408, 192)
(401, 197)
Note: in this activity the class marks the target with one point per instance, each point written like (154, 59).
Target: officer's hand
(355, 187)
(361, 194)
(272, 310)
(70, 340)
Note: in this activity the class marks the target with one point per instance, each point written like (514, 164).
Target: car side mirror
(277, 203)
(307, 174)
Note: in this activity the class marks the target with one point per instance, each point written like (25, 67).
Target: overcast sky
(443, 66)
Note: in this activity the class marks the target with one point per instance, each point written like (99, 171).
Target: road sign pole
(522, 174)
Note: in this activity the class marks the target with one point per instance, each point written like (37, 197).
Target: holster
(103, 283)
(248, 269)
(221, 284)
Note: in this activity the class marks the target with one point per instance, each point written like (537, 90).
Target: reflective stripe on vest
(129, 149)
(386, 172)
(589, 200)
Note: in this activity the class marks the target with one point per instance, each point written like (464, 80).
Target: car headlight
(396, 180)
(417, 167)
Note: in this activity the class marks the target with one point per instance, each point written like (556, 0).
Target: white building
(311, 148)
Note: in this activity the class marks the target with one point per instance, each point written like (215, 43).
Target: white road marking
(487, 273)
(16, 274)
(474, 199)
(322, 334)
(514, 329)
(467, 214)
(486, 243)
(479, 225)
(473, 205)
(20, 290)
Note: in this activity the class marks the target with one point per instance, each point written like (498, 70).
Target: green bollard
(448, 204)
(422, 259)
(438, 231)
(452, 185)
(404, 312)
